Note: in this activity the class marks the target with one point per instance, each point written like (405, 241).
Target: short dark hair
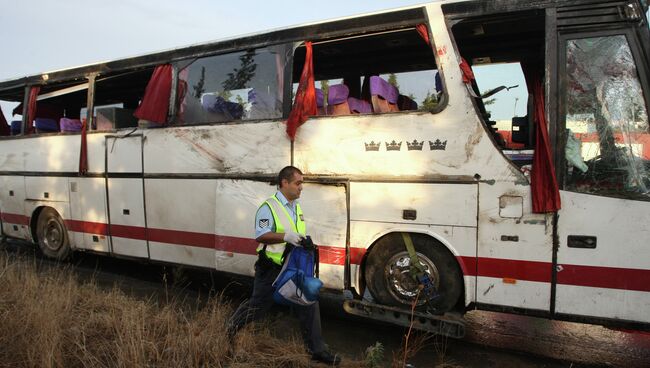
(287, 174)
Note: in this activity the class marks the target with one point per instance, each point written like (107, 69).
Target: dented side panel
(514, 252)
(250, 148)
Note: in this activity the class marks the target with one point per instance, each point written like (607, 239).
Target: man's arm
(270, 238)
(265, 229)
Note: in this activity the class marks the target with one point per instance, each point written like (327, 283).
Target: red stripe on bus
(236, 244)
(514, 268)
(604, 277)
(126, 231)
(356, 255)
(467, 265)
(331, 255)
(200, 240)
(96, 228)
(15, 219)
(577, 275)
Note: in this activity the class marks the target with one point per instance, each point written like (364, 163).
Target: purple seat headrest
(338, 94)
(46, 125)
(320, 97)
(16, 127)
(70, 125)
(359, 106)
(380, 87)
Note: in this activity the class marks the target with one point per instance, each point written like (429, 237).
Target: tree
(242, 75)
(489, 102)
(325, 87)
(392, 80)
(199, 87)
(430, 101)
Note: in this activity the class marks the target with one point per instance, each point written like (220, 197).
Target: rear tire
(389, 281)
(52, 235)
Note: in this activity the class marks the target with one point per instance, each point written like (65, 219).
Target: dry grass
(50, 319)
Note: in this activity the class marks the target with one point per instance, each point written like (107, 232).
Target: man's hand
(293, 238)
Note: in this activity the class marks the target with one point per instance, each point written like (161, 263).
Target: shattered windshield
(608, 142)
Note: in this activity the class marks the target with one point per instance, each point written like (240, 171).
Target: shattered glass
(606, 114)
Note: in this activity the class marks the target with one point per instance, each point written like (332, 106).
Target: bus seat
(16, 127)
(384, 95)
(320, 101)
(45, 125)
(263, 104)
(218, 105)
(358, 106)
(406, 103)
(337, 100)
(70, 125)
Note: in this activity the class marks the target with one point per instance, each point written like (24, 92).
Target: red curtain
(83, 151)
(424, 32)
(545, 191)
(305, 102)
(468, 74)
(4, 127)
(31, 109)
(155, 103)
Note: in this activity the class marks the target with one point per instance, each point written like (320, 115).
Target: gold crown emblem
(372, 146)
(415, 145)
(393, 146)
(437, 145)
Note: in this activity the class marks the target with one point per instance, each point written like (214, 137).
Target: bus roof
(355, 24)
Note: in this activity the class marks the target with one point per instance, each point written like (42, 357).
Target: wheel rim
(401, 285)
(53, 235)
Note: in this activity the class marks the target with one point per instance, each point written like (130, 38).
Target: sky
(43, 35)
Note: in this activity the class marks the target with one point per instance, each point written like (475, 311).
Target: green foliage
(242, 75)
(199, 88)
(325, 87)
(374, 355)
(430, 102)
(392, 79)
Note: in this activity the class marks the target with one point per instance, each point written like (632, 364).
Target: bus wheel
(387, 272)
(51, 235)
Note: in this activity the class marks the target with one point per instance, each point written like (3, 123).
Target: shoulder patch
(263, 223)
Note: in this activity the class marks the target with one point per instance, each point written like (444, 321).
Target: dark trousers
(262, 300)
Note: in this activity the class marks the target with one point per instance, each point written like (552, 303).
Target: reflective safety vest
(283, 220)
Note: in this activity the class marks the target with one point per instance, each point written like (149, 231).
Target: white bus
(182, 146)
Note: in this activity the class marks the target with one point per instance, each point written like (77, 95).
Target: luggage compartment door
(125, 192)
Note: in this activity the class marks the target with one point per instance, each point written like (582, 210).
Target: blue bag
(296, 284)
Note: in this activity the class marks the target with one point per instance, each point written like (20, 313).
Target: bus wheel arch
(388, 283)
(50, 233)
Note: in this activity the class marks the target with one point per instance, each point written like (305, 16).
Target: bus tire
(52, 235)
(388, 278)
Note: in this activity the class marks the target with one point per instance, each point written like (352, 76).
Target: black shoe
(326, 357)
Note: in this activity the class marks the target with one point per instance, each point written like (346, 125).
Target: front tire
(52, 235)
(387, 272)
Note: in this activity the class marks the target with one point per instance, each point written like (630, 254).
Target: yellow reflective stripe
(276, 206)
(275, 251)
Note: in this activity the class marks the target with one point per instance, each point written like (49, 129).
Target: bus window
(502, 52)
(10, 118)
(57, 104)
(384, 72)
(117, 96)
(507, 110)
(608, 142)
(236, 86)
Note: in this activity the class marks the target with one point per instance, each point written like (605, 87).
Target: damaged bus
(410, 185)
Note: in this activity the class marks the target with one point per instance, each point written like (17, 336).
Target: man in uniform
(273, 232)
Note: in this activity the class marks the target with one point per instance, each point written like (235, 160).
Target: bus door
(603, 262)
(125, 190)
